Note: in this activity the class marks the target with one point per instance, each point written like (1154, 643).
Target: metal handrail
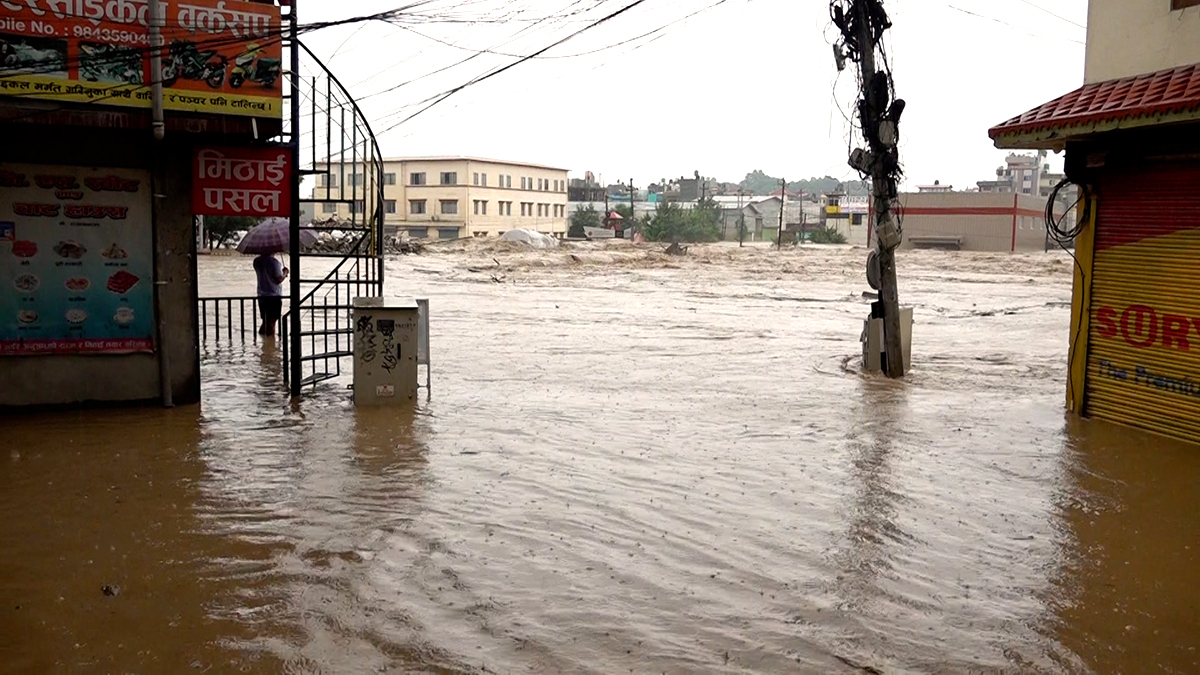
(234, 319)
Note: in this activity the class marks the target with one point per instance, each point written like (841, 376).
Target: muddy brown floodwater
(630, 463)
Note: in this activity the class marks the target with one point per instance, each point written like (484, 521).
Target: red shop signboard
(254, 182)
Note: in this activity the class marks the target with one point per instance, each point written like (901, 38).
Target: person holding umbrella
(271, 236)
(271, 274)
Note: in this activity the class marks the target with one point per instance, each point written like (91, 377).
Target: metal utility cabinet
(385, 351)
(872, 340)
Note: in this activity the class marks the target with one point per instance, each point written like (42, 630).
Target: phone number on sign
(110, 35)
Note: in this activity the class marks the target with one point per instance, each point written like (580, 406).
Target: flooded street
(629, 463)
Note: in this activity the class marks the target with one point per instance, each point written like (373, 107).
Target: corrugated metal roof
(1140, 100)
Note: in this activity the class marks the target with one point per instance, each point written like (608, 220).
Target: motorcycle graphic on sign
(190, 63)
(251, 66)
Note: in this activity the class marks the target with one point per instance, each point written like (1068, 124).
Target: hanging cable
(1054, 226)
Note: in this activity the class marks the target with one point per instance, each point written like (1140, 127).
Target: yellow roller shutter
(1144, 332)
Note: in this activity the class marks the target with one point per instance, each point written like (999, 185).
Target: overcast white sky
(742, 85)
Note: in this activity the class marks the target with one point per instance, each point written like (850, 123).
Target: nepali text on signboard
(220, 56)
(76, 260)
(242, 182)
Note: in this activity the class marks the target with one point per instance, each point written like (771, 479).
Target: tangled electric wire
(1054, 226)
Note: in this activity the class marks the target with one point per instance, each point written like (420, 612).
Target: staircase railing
(341, 179)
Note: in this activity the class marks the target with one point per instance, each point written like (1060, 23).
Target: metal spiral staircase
(339, 174)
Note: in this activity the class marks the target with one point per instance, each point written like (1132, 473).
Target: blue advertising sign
(76, 261)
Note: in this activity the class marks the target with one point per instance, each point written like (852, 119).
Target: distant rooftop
(745, 199)
(461, 158)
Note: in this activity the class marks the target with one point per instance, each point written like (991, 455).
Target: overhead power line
(514, 64)
(1060, 18)
(1015, 27)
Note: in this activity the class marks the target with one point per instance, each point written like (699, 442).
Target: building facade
(1133, 38)
(453, 197)
(972, 221)
(1132, 141)
(97, 237)
(848, 214)
(760, 214)
(1022, 174)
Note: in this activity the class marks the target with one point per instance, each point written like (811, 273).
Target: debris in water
(866, 669)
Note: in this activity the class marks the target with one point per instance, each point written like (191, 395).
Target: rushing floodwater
(629, 464)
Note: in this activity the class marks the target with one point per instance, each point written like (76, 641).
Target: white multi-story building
(451, 197)
(1023, 174)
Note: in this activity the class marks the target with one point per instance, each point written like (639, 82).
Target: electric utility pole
(632, 213)
(879, 118)
(741, 221)
(782, 204)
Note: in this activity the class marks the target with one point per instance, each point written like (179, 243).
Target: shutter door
(1144, 335)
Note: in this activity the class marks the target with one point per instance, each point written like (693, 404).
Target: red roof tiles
(1167, 91)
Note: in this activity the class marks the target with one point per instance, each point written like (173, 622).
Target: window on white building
(328, 180)
(449, 178)
(356, 206)
(389, 206)
(416, 207)
(416, 178)
(328, 207)
(483, 179)
(449, 207)
(480, 207)
(475, 178)
(389, 179)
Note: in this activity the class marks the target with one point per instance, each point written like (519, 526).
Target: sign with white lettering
(221, 57)
(253, 182)
(76, 261)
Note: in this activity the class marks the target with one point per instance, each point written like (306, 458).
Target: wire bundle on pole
(862, 24)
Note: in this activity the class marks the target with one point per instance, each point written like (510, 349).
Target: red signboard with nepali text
(232, 181)
(221, 57)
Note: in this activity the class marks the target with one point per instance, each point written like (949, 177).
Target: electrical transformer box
(385, 351)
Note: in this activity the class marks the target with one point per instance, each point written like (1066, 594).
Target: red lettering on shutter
(1175, 331)
(1142, 314)
(1108, 327)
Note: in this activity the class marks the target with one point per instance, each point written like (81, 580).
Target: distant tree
(582, 218)
(827, 235)
(762, 184)
(219, 228)
(675, 224)
(759, 183)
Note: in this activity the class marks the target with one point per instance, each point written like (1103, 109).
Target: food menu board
(76, 261)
